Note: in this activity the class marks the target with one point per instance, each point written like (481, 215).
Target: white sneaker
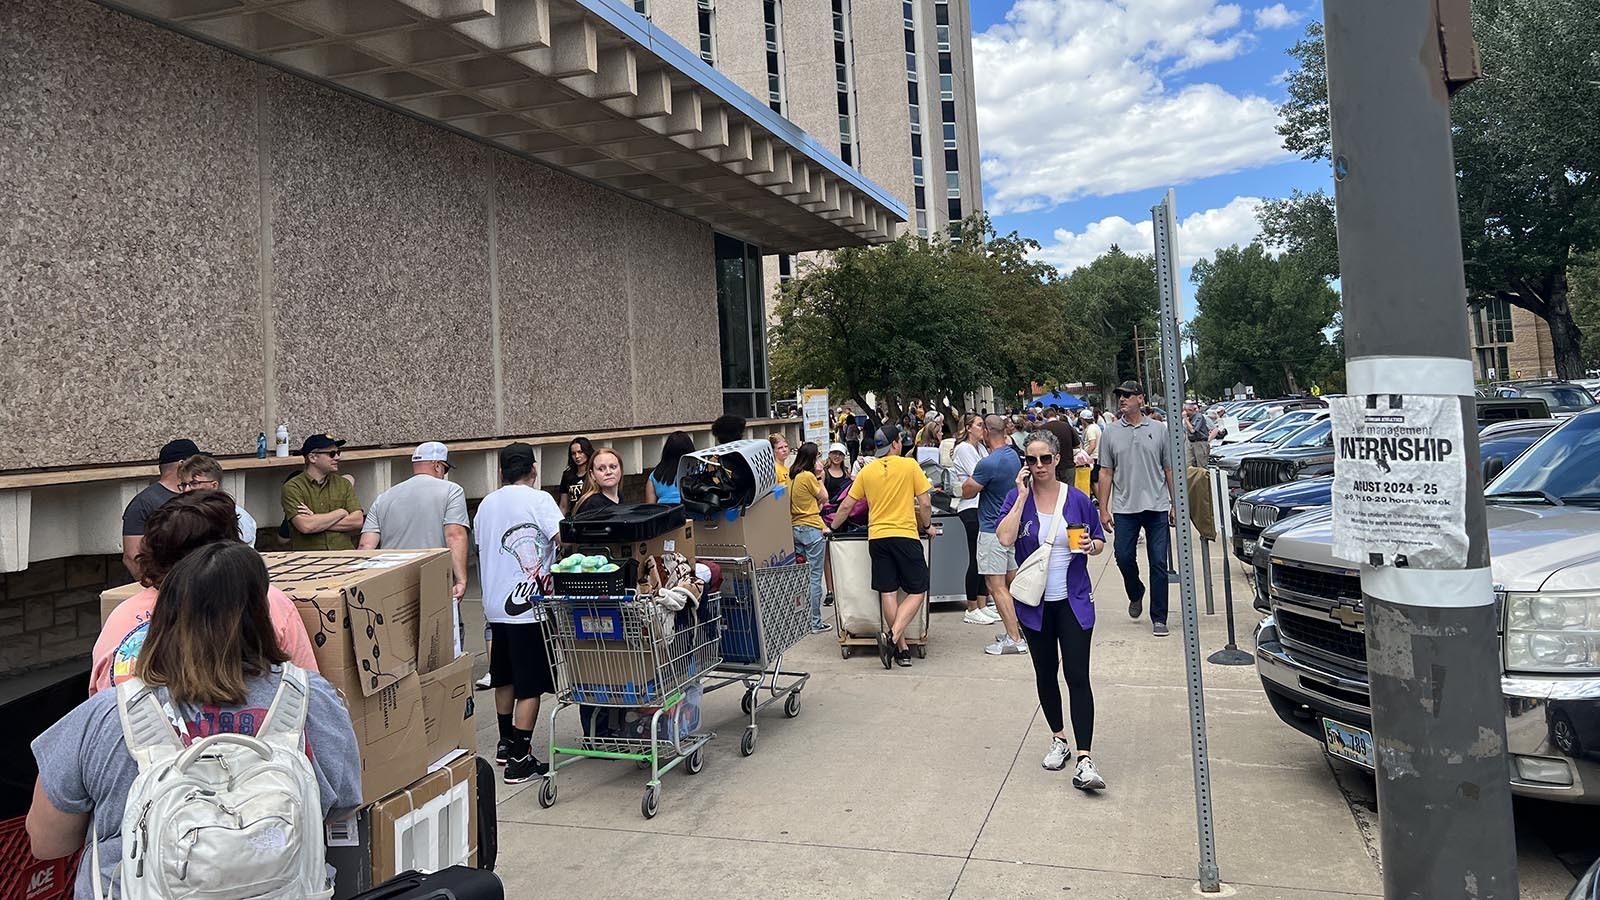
(976, 617)
(1087, 777)
(990, 614)
(1005, 647)
(1058, 757)
(482, 684)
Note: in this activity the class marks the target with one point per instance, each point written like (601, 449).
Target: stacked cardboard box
(762, 531)
(428, 826)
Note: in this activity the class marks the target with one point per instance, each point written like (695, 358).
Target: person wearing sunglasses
(425, 512)
(202, 472)
(1059, 629)
(321, 509)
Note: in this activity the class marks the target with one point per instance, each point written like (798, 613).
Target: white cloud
(1072, 100)
(1200, 235)
(1276, 16)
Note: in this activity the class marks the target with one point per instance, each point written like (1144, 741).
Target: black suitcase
(623, 522)
(454, 883)
(488, 821)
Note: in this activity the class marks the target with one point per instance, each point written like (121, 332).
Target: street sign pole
(1444, 802)
(1166, 228)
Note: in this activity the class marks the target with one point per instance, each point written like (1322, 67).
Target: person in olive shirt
(321, 507)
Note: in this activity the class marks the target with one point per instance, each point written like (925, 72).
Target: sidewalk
(926, 783)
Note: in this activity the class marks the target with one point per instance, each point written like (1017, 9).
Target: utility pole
(1438, 721)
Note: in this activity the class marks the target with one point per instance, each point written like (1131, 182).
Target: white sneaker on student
(1060, 754)
(1087, 777)
(1005, 647)
(976, 617)
(989, 613)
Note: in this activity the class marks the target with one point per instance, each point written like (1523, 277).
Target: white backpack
(230, 816)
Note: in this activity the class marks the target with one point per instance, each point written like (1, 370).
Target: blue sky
(1089, 110)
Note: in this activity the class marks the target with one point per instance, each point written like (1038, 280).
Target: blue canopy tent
(1059, 398)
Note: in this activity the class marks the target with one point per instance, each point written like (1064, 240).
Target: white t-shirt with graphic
(518, 529)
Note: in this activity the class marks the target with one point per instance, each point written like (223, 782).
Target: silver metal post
(1166, 228)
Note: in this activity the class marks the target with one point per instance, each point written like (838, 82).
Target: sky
(1089, 110)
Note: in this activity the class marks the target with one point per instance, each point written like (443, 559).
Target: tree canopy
(1261, 319)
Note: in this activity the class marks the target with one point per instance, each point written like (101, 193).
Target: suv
(1306, 455)
(1563, 397)
(1544, 540)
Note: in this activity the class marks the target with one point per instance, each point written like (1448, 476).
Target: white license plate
(1349, 743)
(1249, 549)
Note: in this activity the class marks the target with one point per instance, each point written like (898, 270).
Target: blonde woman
(603, 487)
(780, 456)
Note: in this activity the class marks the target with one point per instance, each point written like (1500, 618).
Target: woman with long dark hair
(212, 663)
(971, 451)
(806, 498)
(662, 487)
(580, 453)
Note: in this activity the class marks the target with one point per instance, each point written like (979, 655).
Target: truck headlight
(1554, 631)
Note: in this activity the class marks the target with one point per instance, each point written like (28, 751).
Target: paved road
(926, 783)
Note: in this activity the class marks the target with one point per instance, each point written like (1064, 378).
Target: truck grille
(1255, 474)
(1316, 583)
(1322, 634)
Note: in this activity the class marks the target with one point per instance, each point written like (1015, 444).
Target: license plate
(1249, 549)
(1349, 743)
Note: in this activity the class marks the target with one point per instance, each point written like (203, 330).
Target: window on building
(943, 36)
(954, 208)
(1497, 319)
(922, 222)
(941, 13)
(914, 109)
(952, 184)
(844, 82)
(773, 12)
(708, 31)
(742, 325)
(642, 7)
(950, 135)
(947, 88)
(916, 170)
(785, 267)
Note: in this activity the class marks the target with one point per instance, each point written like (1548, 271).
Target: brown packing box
(762, 532)
(447, 815)
(680, 539)
(390, 733)
(111, 598)
(447, 709)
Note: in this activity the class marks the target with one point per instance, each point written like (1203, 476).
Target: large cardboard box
(428, 825)
(447, 709)
(391, 732)
(762, 532)
(112, 597)
(680, 539)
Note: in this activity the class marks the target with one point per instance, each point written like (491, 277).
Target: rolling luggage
(622, 523)
(454, 883)
(488, 822)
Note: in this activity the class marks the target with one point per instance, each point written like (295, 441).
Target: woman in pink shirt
(180, 525)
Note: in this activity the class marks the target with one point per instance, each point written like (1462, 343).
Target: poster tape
(1439, 375)
(1429, 587)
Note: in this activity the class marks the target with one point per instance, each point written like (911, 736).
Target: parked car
(1307, 454)
(1563, 397)
(1544, 538)
(1255, 430)
(1588, 887)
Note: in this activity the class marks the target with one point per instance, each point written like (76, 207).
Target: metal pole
(1230, 655)
(1166, 228)
(1205, 567)
(1438, 719)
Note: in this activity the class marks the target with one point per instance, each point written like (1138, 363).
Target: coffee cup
(1078, 537)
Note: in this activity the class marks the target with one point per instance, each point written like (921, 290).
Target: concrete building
(389, 220)
(1508, 340)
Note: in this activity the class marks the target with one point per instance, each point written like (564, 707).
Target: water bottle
(261, 445)
(283, 439)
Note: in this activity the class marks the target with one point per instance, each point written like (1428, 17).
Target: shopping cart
(634, 669)
(765, 612)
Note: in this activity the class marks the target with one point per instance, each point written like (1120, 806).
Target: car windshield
(1558, 396)
(1256, 413)
(1507, 448)
(1276, 433)
(1313, 436)
(1565, 465)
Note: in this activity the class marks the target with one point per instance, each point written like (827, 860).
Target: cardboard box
(680, 539)
(391, 732)
(447, 709)
(762, 532)
(111, 598)
(427, 825)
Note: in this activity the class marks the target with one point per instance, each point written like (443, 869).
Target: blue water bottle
(261, 445)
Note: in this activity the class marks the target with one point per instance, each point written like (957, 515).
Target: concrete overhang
(588, 87)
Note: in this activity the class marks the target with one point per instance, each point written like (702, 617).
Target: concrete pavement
(926, 783)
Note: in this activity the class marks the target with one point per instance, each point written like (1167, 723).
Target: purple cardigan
(1080, 593)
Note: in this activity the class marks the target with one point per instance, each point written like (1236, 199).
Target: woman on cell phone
(1059, 629)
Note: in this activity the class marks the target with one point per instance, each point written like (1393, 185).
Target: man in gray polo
(1135, 492)
(424, 512)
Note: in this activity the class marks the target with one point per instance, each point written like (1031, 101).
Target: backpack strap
(286, 719)
(145, 727)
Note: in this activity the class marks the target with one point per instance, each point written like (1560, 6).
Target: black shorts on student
(898, 565)
(521, 659)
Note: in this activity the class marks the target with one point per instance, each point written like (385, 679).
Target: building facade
(1509, 342)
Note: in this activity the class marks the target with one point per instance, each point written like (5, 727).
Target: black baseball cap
(887, 436)
(1128, 389)
(317, 442)
(515, 453)
(177, 451)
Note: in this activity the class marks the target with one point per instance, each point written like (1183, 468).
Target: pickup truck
(1544, 539)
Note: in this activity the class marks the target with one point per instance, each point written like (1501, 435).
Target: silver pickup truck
(1544, 543)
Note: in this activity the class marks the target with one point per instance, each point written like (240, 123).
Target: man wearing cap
(322, 509)
(899, 511)
(1197, 449)
(147, 501)
(1135, 492)
(1091, 444)
(424, 512)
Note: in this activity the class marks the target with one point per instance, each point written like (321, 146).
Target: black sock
(521, 742)
(505, 725)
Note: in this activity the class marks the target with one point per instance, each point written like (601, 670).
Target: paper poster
(814, 415)
(1399, 481)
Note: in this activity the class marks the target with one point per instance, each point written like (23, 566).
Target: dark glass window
(911, 93)
(952, 161)
(741, 320)
(941, 14)
(955, 211)
(947, 110)
(944, 64)
(921, 197)
(911, 42)
(916, 145)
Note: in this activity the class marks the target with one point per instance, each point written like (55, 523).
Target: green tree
(1528, 170)
(1261, 320)
(1585, 276)
(1110, 299)
(1305, 225)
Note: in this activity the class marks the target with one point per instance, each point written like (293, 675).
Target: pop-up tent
(1059, 398)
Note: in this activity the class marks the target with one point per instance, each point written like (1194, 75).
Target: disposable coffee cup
(1078, 537)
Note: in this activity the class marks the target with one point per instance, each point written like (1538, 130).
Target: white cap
(1086, 413)
(837, 447)
(432, 451)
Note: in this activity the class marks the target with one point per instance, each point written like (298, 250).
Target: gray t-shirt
(84, 762)
(1138, 457)
(412, 514)
(1202, 426)
(142, 505)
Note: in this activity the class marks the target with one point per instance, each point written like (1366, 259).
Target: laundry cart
(766, 610)
(858, 613)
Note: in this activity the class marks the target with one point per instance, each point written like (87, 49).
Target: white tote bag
(1027, 587)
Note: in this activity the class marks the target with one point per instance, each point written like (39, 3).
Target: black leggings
(975, 587)
(1061, 628)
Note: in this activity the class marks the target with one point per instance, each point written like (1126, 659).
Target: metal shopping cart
(634, 670)
(765, 612)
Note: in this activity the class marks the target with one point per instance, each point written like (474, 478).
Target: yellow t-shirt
(804, 506)
(891, 486)
(782, 472)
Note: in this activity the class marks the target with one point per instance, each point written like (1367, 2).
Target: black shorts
(898, 565)
(521, 659)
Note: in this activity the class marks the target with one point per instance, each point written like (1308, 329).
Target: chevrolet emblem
(1347, 617)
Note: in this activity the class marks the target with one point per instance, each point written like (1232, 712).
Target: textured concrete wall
(50, 613)
(680, 20)
(742, 45)
(882, 110)
(200, 246)
(808, 63)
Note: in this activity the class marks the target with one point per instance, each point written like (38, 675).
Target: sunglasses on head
(1043, 460)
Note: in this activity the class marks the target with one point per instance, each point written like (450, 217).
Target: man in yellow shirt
(899, 511)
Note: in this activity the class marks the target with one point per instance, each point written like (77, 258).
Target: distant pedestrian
(806, 498)
(322, 509)
(603, 487)
(780, 456)
(851, 436)
(836, 474)
(1091, 445)
(1060, 629)
(147, 501)
(202, 472)
(1067, 437)
(662, 485)
(928, 440)
(1197, 447)
(576, 475)
(727, 428)
(991, 481)
(971, 451)
(899, 512)
(1136, 494)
